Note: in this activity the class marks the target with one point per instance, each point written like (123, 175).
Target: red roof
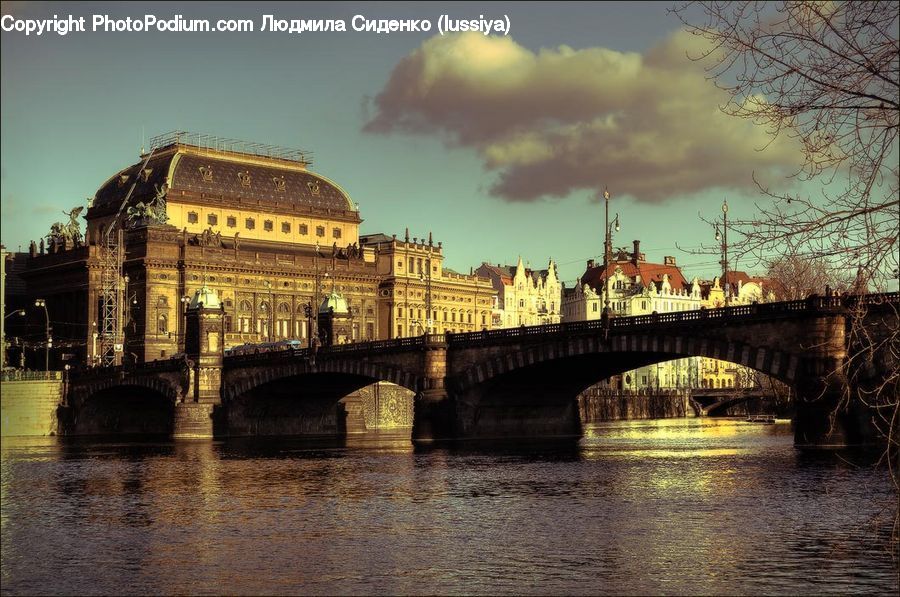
(649, 272)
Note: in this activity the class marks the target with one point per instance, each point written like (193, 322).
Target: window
(286, 227)
(268, 225)
(412, 265)
(162, 324)
(320, 231)
(250, 223)
(594, 307)
(419, 265)
(232, 221)
(193, 218)
(399, 311)
(303, 229)
(212, 219)
(162, 301)
(336, 233)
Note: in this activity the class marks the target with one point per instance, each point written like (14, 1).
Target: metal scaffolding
(112, 290)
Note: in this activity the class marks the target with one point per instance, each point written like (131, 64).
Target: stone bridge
(521, 382)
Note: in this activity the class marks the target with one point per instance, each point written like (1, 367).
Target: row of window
(268, 225)
(452, 316)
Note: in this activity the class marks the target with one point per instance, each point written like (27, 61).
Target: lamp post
(724, 238)
(607, 255)
(94, 336)
(182, 324)
(271, 312)
(43, 304)
(426, 278)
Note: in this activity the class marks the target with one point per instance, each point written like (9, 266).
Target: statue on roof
(152, 212)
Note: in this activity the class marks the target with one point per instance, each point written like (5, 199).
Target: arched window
(246, 306)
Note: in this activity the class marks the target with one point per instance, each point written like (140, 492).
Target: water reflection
(679, 506)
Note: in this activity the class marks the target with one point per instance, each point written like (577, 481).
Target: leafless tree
(827, 76)
(794, 278)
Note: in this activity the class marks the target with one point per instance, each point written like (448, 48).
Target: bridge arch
(777, 364)
(135, 405)
(239, 382)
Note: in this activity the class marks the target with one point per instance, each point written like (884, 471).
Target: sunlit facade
(524, 296)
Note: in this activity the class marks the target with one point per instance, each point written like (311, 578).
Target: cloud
(560, 120)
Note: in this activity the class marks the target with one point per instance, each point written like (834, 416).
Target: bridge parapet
(724, 315)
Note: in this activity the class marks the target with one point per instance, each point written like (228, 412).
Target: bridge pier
(433, 417)
(829, 417)
(192, 420)
(204, 346)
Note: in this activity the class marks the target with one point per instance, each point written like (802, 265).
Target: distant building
(742, 289)
(413, 277)
(524, 296)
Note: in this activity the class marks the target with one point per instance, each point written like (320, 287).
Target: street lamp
(43, 304)
(724, 238)
(16, 312)
(270, 314)
(427, 280)
(607, 255)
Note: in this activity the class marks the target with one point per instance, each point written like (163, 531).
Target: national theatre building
(274, 240)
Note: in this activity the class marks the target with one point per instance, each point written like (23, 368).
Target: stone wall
(596, 405)
(29, 407)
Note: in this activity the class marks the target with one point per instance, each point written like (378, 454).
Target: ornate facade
(415, 281)
(252, 223)
(524, 296)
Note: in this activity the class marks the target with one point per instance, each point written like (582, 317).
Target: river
(679, 506)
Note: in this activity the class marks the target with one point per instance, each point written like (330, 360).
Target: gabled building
(524, 296)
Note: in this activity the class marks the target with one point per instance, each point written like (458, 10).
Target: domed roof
(205, 297)
(336, 301)
(222, 175)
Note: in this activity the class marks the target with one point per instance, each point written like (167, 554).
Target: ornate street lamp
(43, 304)
(724, 238)
(607, 255)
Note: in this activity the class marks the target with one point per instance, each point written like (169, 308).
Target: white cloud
(559, 120)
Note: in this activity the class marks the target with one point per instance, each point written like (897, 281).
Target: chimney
(669, 260)
(590, 263)
(635, 257)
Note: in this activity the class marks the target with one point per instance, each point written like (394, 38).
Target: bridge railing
(722, 314)
(701, 316)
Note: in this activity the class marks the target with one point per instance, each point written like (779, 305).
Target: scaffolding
(112, 284)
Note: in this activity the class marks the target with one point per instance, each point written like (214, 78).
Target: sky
(498, 145)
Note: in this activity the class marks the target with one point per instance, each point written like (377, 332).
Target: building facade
(252, 223)
(417, 294)
(524, 296)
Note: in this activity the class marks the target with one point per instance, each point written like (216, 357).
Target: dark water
(677, 506)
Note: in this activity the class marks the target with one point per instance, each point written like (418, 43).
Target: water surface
(677, 506)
